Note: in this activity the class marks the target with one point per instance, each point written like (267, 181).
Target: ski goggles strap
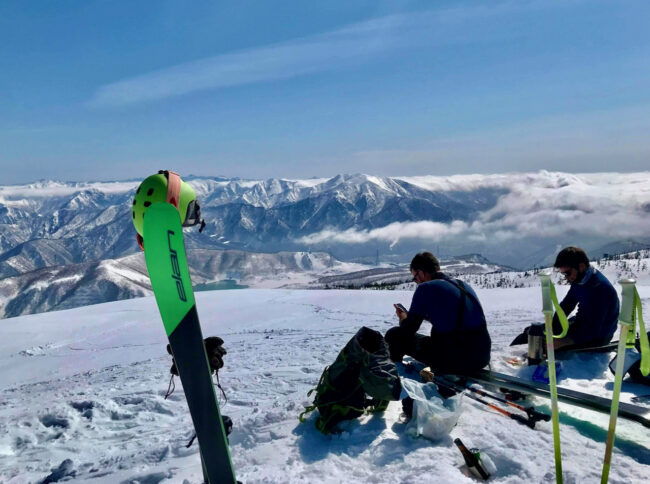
(193, 214)
(173, 187)
(560, 314)
(643, 335)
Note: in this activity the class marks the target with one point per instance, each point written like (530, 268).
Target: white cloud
(331, 50)
(392, 233)
(281, 61)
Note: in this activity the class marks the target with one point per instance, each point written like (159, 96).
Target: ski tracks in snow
(110, 423)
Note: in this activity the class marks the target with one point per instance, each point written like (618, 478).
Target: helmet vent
(133, 213)
(146, 204)
(150, 192)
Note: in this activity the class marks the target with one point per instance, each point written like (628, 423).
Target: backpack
(362, 378)
(631, 365)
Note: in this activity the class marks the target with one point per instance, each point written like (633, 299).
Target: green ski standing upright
(162, 236)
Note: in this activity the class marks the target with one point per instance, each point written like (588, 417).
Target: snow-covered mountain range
(52, 223)
(514, 219)
(64, 245)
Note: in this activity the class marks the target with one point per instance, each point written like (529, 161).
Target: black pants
(460, 352)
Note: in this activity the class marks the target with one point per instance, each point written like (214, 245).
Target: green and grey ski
(170, 280)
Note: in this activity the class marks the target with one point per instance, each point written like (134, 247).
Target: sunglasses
(567, 273)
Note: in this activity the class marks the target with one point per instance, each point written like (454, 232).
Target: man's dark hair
(425, 261)
(571, 257)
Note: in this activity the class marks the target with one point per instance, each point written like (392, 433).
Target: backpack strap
(464, 294)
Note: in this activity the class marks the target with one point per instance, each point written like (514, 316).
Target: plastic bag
(433, 416)
(540, 375)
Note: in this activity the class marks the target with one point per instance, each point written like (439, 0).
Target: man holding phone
(459, 342)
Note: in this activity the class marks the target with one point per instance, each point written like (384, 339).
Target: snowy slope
(82, 398)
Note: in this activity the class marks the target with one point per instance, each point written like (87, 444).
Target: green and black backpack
(362, 379)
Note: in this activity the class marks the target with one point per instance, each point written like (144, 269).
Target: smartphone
(401, 307)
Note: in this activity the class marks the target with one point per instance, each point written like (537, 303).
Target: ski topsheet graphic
(170, 280)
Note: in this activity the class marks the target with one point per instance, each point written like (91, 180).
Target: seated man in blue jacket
(595, 321)
(459, 341)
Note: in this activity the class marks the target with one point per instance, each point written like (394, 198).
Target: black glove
(173, 370)
(214, 350)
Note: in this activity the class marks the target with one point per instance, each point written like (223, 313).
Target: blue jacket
(595, 322)
(459, 341)
(438, 301)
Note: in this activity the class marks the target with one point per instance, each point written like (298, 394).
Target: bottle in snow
(472, 460)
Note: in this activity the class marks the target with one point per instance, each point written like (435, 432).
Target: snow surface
(82, 398)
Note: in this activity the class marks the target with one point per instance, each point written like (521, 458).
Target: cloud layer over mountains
(540, 205)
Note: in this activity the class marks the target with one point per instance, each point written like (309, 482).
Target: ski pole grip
(626, 315)
(550, 303)
(522, 420)
(631, 313)
(547, 302)
(535, 415)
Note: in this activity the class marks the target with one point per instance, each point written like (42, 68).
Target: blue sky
(111, 89)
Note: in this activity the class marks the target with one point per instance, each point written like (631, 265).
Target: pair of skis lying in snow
(628, 411)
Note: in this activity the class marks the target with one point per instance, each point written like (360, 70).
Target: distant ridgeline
(634, 265)
(399, 277)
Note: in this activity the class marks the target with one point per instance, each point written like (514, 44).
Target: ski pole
(627, 322)
(549, 299)
(513, 416)
(533, 414)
